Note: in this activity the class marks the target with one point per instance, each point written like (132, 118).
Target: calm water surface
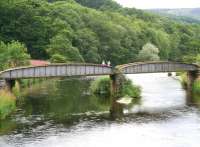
(64, 114)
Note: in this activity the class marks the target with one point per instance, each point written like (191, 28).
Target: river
(64, 114)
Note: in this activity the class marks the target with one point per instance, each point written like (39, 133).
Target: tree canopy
(93, 30)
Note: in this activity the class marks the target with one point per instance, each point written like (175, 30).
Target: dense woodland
(90, 31)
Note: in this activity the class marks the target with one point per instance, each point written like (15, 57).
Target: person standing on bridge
(103, 63)
(108, 63)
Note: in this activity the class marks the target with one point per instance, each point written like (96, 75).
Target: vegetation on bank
(7, 103)
(195, 87)
(102, 86)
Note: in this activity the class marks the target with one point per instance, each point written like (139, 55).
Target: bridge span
(79, 69)
(67, 70)
(56, 70)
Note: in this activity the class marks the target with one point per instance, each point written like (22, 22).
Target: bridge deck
(56, 70)
(65, 70)
(156, 67)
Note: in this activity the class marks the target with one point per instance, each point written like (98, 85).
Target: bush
(102, 86)
(130, 89)
(57, 58)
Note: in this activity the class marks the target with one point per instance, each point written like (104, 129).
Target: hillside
(92, 31)
(187, 13)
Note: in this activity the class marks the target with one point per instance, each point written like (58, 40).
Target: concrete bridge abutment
(192, 76)
(117, 82)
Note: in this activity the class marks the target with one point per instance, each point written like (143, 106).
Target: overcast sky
(148, 4)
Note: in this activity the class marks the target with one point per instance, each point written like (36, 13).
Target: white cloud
(146, 4)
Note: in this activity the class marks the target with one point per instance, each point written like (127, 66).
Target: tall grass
(184, 80)
(196, 87)
(7, 103)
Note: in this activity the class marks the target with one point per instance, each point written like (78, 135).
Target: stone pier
(116, 109)
(192, 76)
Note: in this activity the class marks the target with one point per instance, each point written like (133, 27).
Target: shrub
(130, 89)
(102, 86)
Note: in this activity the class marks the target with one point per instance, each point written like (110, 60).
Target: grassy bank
(102, 85)
(183, 79)
(7, 103)
(196, 92)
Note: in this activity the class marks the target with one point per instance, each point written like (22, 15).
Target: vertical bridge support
(10, 84)
(116, 109)
(191, 77)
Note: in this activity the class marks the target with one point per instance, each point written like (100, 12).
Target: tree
(87, 42)
(57, 58)
(13, 54)
(61, 44)
(149, 52)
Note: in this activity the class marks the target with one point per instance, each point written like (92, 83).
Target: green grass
(183, 79)
(7, 103)
(196, 87)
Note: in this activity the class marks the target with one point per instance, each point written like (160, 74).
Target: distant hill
(184, 14)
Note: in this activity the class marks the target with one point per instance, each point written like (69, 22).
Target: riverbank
(195, 87)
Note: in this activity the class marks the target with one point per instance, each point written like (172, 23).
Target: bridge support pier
(191, 77)
(10, 84)
(116, 109)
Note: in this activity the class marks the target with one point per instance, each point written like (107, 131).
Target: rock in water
(125, 100)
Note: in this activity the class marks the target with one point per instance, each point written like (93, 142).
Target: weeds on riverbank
(7, 103)
(196, 87)
(183, 80)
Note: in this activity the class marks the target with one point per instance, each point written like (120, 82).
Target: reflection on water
(64, 114)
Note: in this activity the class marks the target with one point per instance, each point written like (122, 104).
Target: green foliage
(16, 89)
(149, 52)
(57, 58)
(101, 86)
(184, 80)
(130, 89)
(93, 30)
(189, 59)
(196, 87)
(13, 54)
(7, 103)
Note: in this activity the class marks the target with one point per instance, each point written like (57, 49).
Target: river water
(64, 114)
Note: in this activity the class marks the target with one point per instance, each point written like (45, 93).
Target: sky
(149, 4)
